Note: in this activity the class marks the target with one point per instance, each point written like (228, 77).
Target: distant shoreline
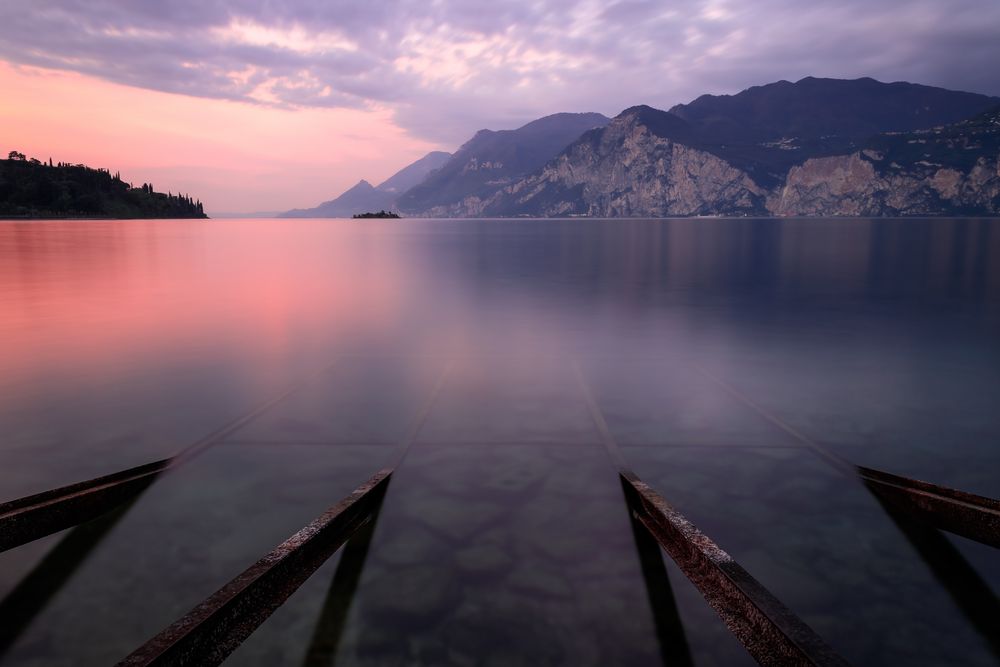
(938, 216)
(380, 215)
(29, 218)
(526, 218)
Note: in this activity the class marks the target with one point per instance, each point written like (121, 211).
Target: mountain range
(813, 147)
(492, 160)
(365, 197)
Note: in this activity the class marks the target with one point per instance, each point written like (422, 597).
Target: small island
(380, 214)
(33, 189)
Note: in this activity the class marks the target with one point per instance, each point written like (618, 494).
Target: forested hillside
(30, 188)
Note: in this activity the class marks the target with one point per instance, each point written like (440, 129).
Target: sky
(266, 105)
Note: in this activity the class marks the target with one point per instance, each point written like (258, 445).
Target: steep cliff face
(845, 183)
(816, 147)
(491, 160)
(633, 167)
(650, 163)
(952, 169)
(851, 185)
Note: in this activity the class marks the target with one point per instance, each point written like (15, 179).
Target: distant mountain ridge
(364, 197)
(359, 198)
(952, 169)
(441, 183)
(493, 159)
(638, 165)
(813, 147)
(415, 173)
(812, 108)
(651, 163)
(766, 130)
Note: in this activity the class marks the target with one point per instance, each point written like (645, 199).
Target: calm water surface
(504, 537)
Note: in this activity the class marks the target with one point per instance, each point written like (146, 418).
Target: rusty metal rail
(32, 517)
(36, 516)
(24, 602)
(959, 512)
(670, 635)
(212, 630)
(217, 626)
(332, 619)
(971, 593)
(768, 630)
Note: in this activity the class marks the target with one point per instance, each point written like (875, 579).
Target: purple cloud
(448, 68)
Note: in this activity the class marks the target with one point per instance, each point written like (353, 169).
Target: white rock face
(851, 185)
(628, 171)
(845, 183)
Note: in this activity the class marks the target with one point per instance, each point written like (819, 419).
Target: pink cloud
(234, 156)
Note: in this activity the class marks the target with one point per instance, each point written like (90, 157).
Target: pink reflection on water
(90, 298)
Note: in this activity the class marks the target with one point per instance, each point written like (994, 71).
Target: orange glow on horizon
(234, 156)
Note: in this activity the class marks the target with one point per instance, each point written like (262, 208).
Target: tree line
(31, 188)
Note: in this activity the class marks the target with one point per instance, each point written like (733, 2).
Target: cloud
(448, 67)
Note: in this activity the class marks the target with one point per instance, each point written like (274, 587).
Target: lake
(713, 348)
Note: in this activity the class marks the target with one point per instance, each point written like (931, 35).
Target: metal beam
(674, 650)
(21, 606)
(215, 628)
(35, 516)
(771, 633)
(971, 593)
(329, 629)
(768, 630)
(958, 512)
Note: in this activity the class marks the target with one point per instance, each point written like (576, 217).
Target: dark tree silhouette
(30, 188)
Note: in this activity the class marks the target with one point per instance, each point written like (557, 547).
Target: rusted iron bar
(768, 630)
(26, 600)
(966, 514)
(35, 516)
(674, 649)
(217, 626)
(771, 633)
(971, 593)
(330, 627)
